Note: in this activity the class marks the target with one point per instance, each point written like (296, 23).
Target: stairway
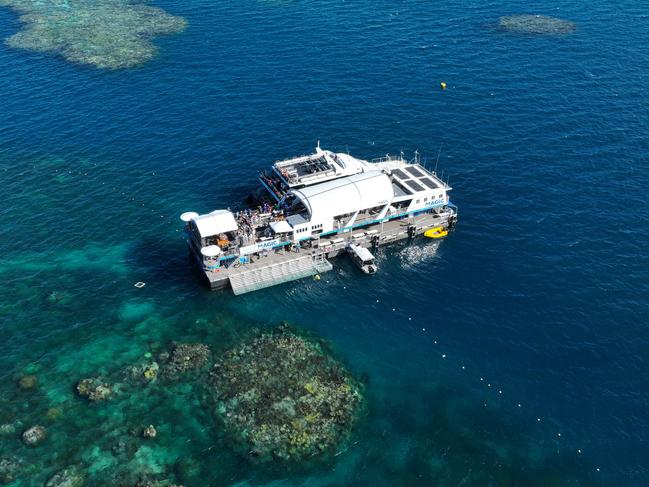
(247, 280)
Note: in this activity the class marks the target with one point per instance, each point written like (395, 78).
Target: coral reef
(54, 413)
(141, 373)
(149, 432)
(111, 34)
(307, 407)
(280, 396)
(34, 435)
(535, 24)
(185, 357)
(68, 477)
(150, 371)
(94, 389)
(156, 483)
(9, 468)
(28, 382)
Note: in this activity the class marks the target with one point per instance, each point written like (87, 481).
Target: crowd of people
(248, 219)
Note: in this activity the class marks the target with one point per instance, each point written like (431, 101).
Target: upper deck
(409, 177)
(318, 167)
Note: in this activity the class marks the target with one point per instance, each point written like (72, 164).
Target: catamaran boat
(324, 204)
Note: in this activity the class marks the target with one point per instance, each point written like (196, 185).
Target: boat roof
(362, 253)
(281, 226)
(214, 223)
(346, 195)
(410, 180)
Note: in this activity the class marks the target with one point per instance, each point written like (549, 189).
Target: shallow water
(541, 291)
(107, 34)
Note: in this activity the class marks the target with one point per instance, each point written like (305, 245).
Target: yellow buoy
(437, 232)
(316, 277)
(442, 85)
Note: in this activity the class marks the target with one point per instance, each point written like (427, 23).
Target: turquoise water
(541, 291)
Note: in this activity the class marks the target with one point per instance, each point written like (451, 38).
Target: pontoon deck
(327, 204)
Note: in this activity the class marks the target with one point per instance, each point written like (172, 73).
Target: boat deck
(330, 246)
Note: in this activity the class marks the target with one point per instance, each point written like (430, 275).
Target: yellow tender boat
(437, 232)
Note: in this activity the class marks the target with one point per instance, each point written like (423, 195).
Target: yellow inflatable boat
(437, 232)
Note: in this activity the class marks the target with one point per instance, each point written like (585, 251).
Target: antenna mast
(438, 154)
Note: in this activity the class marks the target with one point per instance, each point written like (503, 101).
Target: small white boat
(363, 258)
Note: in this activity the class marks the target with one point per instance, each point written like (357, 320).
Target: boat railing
(388, 158)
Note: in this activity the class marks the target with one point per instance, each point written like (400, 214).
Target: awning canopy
(211, 251)
(281, 226)
(346, 195)
(188, 216)
(364, 254)
(219, 221)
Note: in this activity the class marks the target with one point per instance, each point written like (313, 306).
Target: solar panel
(400, 191)
(400, 174)
(414, 185)
(414, 171)
(429, 182)
(403, 187)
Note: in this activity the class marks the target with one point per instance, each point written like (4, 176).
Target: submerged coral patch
(185, 357)
(68, 477)
(94, 389)
(535, 24)
(110, 34)
(280, 396)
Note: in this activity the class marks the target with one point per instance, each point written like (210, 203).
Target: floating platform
(264, 274)
(327, 204)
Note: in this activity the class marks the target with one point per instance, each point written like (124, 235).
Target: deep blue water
(542, 291)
